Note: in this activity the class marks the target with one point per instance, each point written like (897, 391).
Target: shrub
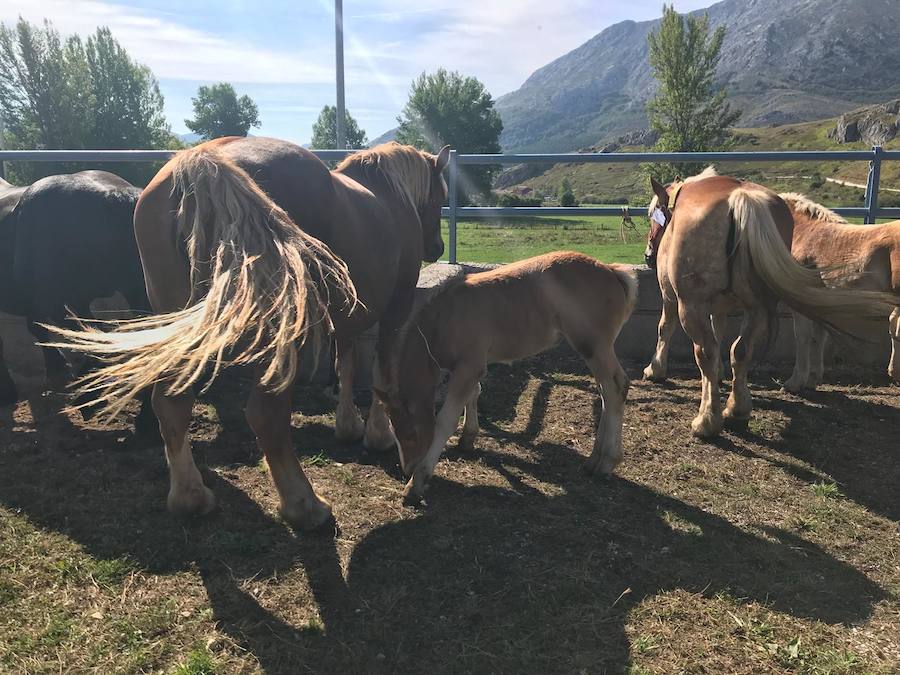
(566, 196)
(511, 199)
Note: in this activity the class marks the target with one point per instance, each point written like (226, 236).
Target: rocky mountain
(874, 125)
(783, 61)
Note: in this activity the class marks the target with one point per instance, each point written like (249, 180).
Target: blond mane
(406, 170)
(803, 204)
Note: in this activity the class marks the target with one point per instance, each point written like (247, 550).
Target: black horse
(66, 241)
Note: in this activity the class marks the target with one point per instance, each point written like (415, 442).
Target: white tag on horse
(659, 216)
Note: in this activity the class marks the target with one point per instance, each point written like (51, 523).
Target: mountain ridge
(782, 62)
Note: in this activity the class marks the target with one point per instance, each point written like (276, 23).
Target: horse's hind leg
(894, 365)
(613, 384)
(8, 392)
(379, 433)
(269, 415)
(348, 423)
(799, 379)
(659, 365)
(470, 424)
(697, 324)
(188, 496)
(740, 402)
(817, 354)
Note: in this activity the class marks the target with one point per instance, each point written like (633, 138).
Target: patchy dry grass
(770, 550)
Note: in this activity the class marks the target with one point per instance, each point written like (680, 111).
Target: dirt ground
(774, 549)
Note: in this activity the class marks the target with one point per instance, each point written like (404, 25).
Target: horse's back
(74, 242)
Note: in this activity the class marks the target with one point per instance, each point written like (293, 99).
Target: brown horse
(867, 256)
(504, 315)
(250, 247)
(718, 244)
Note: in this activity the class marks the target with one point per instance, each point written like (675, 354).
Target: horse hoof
(736, 422)
(705, 426)
(651, 374)
(414, 493)
(307, 517)
(466, 442)
(191, 503)
(379, 446)
(349, 430)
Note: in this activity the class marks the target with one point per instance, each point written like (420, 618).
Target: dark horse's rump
(68, 241)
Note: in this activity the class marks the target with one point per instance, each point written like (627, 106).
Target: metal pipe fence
(869, 212)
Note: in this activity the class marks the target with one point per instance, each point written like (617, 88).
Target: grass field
(508, 240)
(770, 550)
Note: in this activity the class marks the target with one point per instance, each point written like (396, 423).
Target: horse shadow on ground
(490, 578)
(849, 438)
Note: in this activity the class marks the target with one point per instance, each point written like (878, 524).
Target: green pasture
(503, 240)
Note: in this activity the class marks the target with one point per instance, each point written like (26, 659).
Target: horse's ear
(660, 191)
(677, 179)
(442, 158)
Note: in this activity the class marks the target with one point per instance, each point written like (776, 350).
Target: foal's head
(410, 398)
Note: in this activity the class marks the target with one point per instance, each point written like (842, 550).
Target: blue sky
(281, 52)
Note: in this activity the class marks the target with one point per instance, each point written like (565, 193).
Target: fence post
(453, 195)
(872, 185)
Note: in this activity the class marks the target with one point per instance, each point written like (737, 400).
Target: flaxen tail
(758, 243)
(265, 288)
(627, 276)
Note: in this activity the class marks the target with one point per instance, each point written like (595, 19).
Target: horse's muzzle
(650, 260)
(434, 252)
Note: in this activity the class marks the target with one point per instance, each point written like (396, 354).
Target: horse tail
(265, 287)
(627, 276)
(758, 244)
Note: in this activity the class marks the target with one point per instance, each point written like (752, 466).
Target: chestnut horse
(867, 256)
(718, 244)
(251, 247)
(504, 315)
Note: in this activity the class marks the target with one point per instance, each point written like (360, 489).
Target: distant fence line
(454, 211)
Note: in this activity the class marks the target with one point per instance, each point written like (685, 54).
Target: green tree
(63, 94)
(688, 111)
(324, 131)
(566, 195)
(446, 108)
(219, 112)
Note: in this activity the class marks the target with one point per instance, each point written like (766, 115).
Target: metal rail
(453, 211)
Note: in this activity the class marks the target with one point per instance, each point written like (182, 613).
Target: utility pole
(339, 73)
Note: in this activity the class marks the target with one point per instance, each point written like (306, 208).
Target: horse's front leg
(668, 322)
(460, 390)
(697, 324)
(894, 365)
(269, 415)
(349, 425)
(379, 432)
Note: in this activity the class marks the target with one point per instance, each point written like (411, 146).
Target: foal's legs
(659, 365)
(460, 390)
(348, 423)
(613, 384)
(740, 402)
(188, 495)
(894, 365)
(695, 320)
(470, 424)
(269, 415)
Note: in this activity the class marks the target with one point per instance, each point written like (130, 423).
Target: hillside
(608, 183)
(783, 61)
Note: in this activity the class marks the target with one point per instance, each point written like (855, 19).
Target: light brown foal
(865, 256)
(504, 315)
